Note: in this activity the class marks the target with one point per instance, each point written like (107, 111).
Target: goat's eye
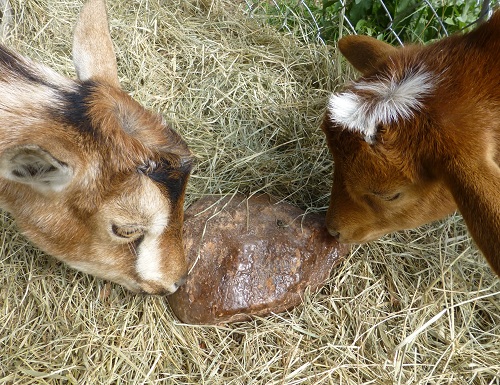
(388, 197)
(130, 232)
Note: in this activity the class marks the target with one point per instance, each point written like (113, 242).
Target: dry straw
(417, 307)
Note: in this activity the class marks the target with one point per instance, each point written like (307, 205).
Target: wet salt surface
(250, 257)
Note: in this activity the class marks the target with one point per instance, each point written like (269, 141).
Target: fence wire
(396, 21)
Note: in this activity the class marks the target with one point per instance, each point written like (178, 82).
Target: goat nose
(334, 234)
(156, 288)
(180, 282)
(173, 288)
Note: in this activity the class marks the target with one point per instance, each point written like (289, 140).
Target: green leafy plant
(395, 21)
(411, 20)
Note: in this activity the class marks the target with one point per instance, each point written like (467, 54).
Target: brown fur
(90, 176)
(446, 156)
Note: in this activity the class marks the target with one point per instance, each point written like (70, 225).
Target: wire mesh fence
(395, 21)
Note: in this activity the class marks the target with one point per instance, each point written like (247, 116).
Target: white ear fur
(93, 53)
(36, 167)
(389, 100)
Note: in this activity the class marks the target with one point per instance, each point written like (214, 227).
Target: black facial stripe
(73, 107)
(172, 178)
(70, 106)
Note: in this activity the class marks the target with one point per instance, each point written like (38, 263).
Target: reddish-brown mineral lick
(250, 257)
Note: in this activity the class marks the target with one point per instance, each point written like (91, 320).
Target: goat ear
(36, 167)
(365, 53)
(93, 53)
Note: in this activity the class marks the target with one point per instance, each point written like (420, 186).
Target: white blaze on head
(382, 101)
(149, 254)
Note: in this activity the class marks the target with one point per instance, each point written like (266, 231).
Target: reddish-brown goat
(417, 136)
(90, 176)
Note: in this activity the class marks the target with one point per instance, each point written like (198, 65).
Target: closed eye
(388, 197)
(129, 232)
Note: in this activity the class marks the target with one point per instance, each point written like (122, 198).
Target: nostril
(157, 288)
(181, 281)
(176, 285)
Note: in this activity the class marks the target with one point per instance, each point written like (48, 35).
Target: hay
(417, 307)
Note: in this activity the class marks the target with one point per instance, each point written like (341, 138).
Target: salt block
(250, 257)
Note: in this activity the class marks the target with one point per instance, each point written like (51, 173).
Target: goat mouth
(156, 288)
(334, 234)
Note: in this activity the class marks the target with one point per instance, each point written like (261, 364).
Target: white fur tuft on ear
(32, 165)
(384, 100)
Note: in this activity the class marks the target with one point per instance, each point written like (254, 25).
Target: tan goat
(89, 175)
(417, 136)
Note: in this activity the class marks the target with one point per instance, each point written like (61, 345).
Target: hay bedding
(418, 307)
